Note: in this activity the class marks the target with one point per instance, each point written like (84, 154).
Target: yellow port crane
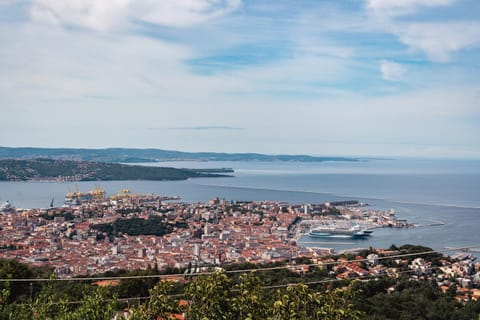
(98, 193)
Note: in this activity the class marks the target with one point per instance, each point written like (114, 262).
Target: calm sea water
(421, 191)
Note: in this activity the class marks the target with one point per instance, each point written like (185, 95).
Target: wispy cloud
(411, 23)
(403, 7)
(439, 40)
(391, 71)
(207, 128)
(105, 15)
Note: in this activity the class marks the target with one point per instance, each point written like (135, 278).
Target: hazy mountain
(149, 155)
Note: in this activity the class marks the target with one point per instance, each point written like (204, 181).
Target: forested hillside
(68, 170)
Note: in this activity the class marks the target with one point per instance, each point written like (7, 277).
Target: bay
(421, 191)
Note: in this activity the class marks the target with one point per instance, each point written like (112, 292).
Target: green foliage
(52, 214)
(233, 296)
(49, 304)
(154, 225)
(160, 304)
(299, 302)
(214, 297)
(433, 257)
(4, 297)
(295, 303)
(95, 305)
(210, 297)
(249, 301)
(12, 269)
(138, 287)
(414, 300)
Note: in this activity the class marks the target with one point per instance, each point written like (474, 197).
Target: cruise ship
(6, 207)
(354, 232)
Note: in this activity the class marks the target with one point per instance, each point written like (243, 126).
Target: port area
(95, 233)
(340, 222)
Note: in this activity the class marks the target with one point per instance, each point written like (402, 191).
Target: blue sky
(350, 77)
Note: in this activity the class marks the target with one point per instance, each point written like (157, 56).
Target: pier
(431, 224)
(326, 242)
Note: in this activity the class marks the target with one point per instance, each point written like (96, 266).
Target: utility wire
(166, 276)
(309, 283)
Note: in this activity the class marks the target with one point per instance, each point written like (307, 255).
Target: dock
(431, 224)
(326, 242)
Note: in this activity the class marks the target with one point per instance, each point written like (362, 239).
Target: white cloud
(437, 40)
(92, 14)
(38, 64)
(391, 71)
(402, 7)
(181, 13)
(106, 15)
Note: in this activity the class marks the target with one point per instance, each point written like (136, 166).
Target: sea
(441, 197)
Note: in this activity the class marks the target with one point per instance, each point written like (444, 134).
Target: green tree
(48, 304)
(296, 302)
(299, 302)
(161, 304)
(249, 301)
(95, 305)
(209, 297)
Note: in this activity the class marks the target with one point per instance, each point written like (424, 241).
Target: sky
(319, 77)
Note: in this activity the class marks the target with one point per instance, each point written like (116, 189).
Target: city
(93, 234)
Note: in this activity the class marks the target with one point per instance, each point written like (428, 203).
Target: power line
(166, 276)
(309, 283)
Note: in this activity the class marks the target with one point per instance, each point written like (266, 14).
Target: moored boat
(353, 232)
(6, 207)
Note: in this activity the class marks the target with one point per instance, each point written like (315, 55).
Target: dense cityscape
(93, 235)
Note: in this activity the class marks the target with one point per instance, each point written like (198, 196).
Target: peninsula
(129, 155)
(43, 169)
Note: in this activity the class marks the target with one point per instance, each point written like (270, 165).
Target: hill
(69, 170)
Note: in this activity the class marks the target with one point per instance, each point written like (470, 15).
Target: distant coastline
(130, 155)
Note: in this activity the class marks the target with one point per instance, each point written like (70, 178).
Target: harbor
(147, 226)
(457, 229)
(353, 226)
